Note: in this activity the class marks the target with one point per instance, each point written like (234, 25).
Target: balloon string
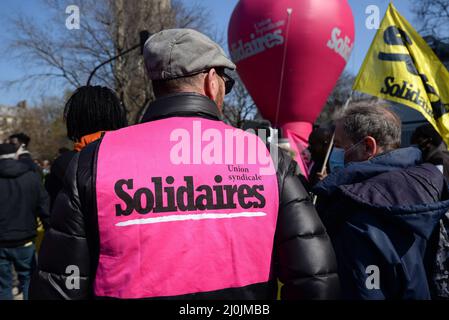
(289, 12)
(331, 145)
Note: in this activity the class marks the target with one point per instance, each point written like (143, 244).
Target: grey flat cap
(175, 53)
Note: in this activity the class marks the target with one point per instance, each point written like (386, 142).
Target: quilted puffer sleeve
(64, 261)
(305, 259)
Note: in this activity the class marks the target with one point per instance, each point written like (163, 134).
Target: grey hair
(375, 119)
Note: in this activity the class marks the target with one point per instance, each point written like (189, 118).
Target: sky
(220, 13)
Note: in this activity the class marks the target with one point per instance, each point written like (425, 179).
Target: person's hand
(320, 176)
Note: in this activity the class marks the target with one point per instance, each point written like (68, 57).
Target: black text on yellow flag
(401, 67)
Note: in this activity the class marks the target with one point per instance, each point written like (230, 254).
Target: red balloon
(301, 45)
(289, 55)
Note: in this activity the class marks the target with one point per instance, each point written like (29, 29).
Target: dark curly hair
(91, 109)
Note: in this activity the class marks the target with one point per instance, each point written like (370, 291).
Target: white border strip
(184, 217)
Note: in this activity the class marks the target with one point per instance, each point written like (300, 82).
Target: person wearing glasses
(182, 205)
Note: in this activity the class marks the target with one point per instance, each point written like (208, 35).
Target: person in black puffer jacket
(130, 241)
(22, 200)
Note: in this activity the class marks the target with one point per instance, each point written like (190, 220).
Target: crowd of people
(123, 220)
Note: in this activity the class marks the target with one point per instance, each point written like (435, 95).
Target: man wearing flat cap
(182, 205)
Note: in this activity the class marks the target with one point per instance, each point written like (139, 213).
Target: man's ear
(211, 84)
(371, 147)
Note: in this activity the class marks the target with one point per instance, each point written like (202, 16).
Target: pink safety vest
(180, 211)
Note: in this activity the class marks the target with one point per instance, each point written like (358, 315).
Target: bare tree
(43, 123)
(130, 17)
(433, 17)
(54, 55)
(238, 106)
(339, 96)
(337, 99)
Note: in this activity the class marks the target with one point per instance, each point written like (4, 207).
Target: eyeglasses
(228, 81)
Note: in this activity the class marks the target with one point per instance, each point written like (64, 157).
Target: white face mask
(20, 151)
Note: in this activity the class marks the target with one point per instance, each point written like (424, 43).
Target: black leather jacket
(303, 257)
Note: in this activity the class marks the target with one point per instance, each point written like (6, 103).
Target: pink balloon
(290, 54)
(312, 38)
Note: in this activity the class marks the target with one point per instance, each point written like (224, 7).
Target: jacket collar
(85, 140)
(182, 105)
(355, 172)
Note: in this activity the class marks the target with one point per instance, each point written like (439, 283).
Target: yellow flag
(401, 67)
